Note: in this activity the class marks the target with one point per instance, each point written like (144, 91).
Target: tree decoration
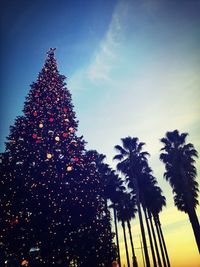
(51, 119)
(49, 155)
(34, 136)
(50, 132)
(19, 162)
(65, 109)
(69, 168)
(14, 221)
(24, 263)
(57, 138)
(41, 125)
(65, 134)
(71, 129)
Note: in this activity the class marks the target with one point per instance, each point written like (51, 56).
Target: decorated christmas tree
(52, 211)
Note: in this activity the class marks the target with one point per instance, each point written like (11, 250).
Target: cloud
(105, 58)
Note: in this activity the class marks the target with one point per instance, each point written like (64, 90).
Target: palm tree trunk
(191, 210)
(150, 238)
(135, 182)
(125, 242)
(160, 242)
(116, 231)
(163, 241)
(135, 264)
(155, 241)
(142, 231)
(195, 225)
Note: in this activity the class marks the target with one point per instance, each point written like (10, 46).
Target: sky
(132, 67)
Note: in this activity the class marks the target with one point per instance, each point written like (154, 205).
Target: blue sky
(132, 66)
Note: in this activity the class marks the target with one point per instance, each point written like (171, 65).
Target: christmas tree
(52, 209)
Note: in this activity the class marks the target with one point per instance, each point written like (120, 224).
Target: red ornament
(65, 109)
(51, 119)
(35, 113)
(34, 136)
(65, 134)
(14, 221)
(76, 159)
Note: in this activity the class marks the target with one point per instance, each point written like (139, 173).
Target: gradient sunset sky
(133, 68)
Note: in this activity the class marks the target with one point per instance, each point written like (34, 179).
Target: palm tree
(132, 161)
(156, 206)
(125, 211)
(147, 185)
(154, 238)
(111, 184)
(115, 187)
(179, 159)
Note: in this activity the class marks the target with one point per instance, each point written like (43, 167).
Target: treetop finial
(51, 51)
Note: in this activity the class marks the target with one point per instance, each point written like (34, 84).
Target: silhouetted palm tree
(111, 184)
(154, 238)
(133, 161)
(157, 203)
(115, 187)
(179, 160)
(147, 184)
(125, 211)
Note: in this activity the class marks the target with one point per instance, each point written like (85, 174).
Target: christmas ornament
(71, 129)
(74, 159)
(67, 120)
(46, 69)
(50, 132)
(49, 155)
(19, 162)
(41, 125)
(24, 263)
(34, 249)
(65, 134)
(65, 109)
(35, 113)
(57, 138)
(14, 221)
(69, 168)
(34, 136)
(51, 119)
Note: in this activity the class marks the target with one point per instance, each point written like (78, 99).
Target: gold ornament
(57, 138)
(71, 129)
(49, 155)
(69, 168)
(41, 125)
(24, 263)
